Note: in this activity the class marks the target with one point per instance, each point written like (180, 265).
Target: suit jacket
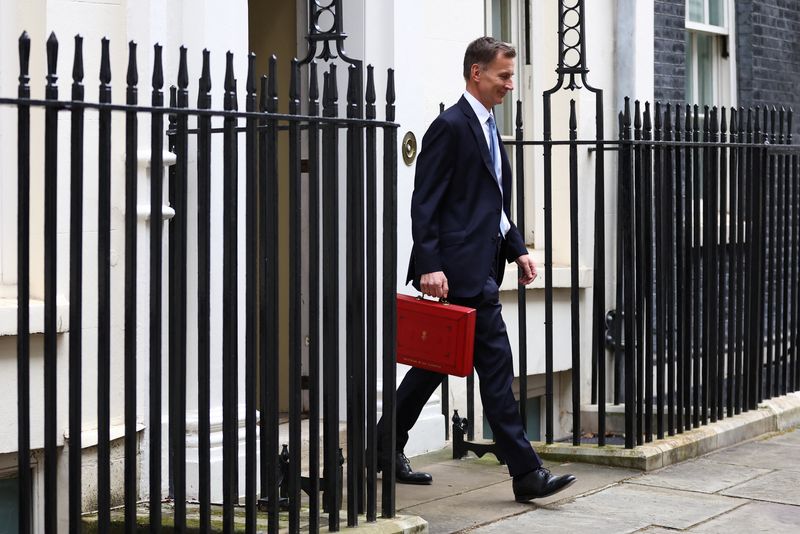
(455, 207)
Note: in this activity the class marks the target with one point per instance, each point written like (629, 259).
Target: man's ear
(474, 72)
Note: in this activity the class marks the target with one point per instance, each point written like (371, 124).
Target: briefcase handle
(443, 301)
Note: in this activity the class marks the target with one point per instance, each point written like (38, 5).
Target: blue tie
(498, 172)
(493, 147)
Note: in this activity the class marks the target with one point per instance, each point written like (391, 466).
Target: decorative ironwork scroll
(324, 27)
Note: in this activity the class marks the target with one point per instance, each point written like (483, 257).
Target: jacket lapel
(477, 132)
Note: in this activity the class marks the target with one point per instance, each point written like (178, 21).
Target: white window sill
(562, 277)
(8, 316)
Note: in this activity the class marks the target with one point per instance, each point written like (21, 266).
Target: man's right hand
(434, 284)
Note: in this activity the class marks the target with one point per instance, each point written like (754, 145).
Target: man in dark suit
(462, 233)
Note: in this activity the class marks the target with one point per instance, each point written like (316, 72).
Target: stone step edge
(773, 415)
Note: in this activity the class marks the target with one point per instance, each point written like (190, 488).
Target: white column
(219, 27)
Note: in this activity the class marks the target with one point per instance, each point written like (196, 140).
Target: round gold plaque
(409, 148)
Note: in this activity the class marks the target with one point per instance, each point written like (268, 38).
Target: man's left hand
(528, 268)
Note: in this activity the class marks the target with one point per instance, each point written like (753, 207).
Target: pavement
(753, 486)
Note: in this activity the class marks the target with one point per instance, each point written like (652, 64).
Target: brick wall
(768, 54)
(670, 50)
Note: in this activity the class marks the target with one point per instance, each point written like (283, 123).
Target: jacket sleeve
(515, 245)
(433, 176)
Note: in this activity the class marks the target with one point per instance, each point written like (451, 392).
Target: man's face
(495, 81)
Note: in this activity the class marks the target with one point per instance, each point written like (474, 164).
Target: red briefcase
(434, 335)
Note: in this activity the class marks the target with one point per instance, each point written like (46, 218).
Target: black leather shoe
(539, 483)
(403, 472)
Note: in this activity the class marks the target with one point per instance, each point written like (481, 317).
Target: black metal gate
(279, 484)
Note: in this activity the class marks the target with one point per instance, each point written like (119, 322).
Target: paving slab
(754, 517)
(759, 453)
(621, 508)
(777, 486)
(487, 503)
(468, 509)
(448, 481)
(703, 475)
(654, 506)
(788, 438)
(562, 521)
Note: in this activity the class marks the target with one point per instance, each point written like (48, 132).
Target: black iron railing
(280, 482)
(708, 256)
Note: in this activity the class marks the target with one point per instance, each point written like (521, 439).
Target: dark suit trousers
(493, 363)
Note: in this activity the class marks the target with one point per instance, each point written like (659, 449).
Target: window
(710, 68)
(499, 19)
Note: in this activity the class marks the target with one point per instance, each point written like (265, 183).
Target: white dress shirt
(483, 115)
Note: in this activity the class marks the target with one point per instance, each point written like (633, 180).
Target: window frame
(723, 70)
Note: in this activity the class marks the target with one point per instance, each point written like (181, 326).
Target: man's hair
(483, 50)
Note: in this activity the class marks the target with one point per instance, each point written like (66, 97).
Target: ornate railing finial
(325, 26)
(571, 43)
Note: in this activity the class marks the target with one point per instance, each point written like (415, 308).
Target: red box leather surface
(435, 336)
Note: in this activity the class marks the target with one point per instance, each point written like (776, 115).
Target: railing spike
(772, 122)
(351, 85)
(658, 116)
(750, 121)
(678, 121)
(273, 76)
(105, 62)
(688, 123)
(263, 97)
(326, 90)
(723, 126)
(637, 115)
(133, 72)
(250, 85)
(713, 126)
(230, 86)
(696, 118)
(573, 120)
(390, 95)
(789, 116)
(627, 111)
(370, 96)
(205, 76)
(77, 62)
(24, 57)
(52, 58)
(313, 82)
(668, 118)
(158, 68)
(757, 120)
(648, 123)
(183, 70)
(518, 121)
(334, 85)
(294, 82)
(734, 130)
(781, 114)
